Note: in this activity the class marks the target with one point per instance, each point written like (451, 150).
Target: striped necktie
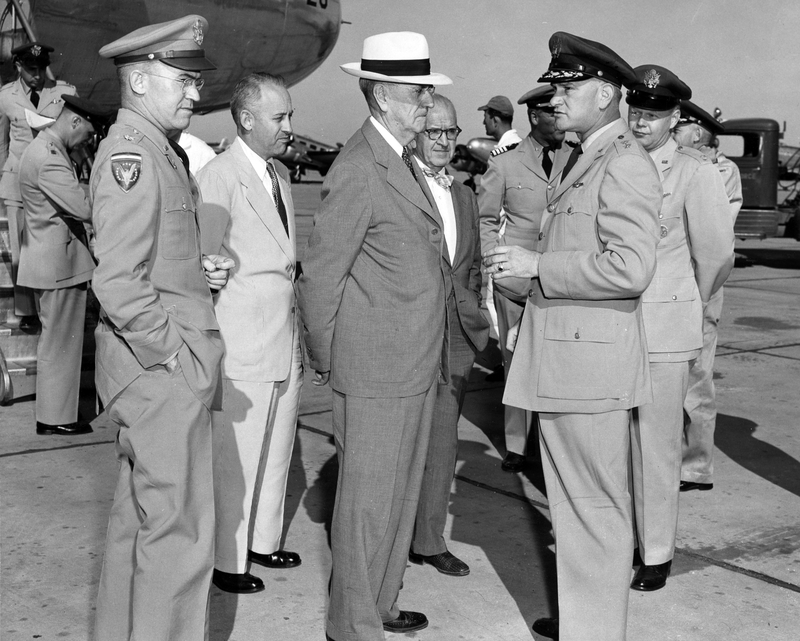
(276, 195)
(407, 161)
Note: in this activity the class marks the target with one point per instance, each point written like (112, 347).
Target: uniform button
(569, 210)
(674, 298)
(549, 186)
(541, 235)
(184, 205)
(434, 231)
(577, 335)
(661, 215)
(530, 293)
(551, 208)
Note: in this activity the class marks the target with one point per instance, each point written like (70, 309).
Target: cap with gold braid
(177, 43)
(575, 59)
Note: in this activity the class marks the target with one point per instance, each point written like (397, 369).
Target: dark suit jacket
(372, 293)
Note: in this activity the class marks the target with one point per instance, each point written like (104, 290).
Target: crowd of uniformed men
(606, 241)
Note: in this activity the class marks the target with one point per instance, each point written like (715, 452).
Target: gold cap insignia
(198, 33)
(651, 79)
(36, 50)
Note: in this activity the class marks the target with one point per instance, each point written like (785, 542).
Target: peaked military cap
(93, 112)
(690, 112)
(500, 104)
(656, 88)
(538, 98)
(177, 43)
(575, 58)
(33, 54)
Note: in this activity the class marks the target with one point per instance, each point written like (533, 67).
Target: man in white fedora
(372, 298)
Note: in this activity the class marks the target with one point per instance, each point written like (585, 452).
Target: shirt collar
(588, 142)
(259, 164)
(388, 137)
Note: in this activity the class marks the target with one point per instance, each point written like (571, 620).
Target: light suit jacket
(372, 292)
(695, 252)
(581, 346)
(55, 252)
(256, 308)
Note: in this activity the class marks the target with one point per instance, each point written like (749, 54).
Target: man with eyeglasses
(373, 302)
(514, 189)
(27, 104)
(468, 331)
(158, 343)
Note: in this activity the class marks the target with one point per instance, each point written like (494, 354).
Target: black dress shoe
(547, 627)
(651, 577)
(513, 462)
(687, 486)
(445, 562)
(277, 560)
(407, 622)
(237, 583)
(68, 429)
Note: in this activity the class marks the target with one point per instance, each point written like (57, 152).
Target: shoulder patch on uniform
(503, 149)
(126, 169)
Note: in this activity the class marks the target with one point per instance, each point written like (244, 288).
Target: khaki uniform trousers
(24, 301)
(656, 462)
(156, 576)
(253, 440)
(586, 459)
(701, 403)
(59, 353)
(517, 420)
(381, 444)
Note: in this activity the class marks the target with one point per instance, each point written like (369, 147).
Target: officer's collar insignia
(651, 79)
(556, 48)
(36, 50)
(664, 231)
(126, 169)
(626, 144)
(198, 33)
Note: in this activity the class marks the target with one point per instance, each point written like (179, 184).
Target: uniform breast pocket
(574, 228)
(179, 235)
(520, 197)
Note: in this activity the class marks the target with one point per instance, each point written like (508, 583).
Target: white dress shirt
(444, 203)
(260, 167)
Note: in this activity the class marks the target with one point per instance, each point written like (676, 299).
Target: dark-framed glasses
(436, 133)
(186, 83)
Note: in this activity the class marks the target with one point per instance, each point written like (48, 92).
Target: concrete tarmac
(736, 575)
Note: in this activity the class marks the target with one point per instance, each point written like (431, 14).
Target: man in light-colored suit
(695, 256)
(247, 214)
(697, 129)
(514, 189)
(581, 356)
(31, 100)
(56, 262)
(468, 331)
(158, 345)
(373, 303)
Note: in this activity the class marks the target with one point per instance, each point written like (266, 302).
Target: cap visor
(354, 69)
(189, 64)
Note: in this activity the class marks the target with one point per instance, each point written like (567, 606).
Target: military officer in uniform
(31, 95)
(695, 256)
(55, 262)
(514, 188)
(158, 344)
(697, 129)
(581, 356)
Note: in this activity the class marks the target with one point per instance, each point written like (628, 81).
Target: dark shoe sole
(688, 486)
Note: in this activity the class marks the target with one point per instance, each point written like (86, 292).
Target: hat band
(160, 55)
(420, 67)
(650, 101)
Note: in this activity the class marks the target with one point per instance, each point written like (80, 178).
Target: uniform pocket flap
(667, 290)
(592, 325)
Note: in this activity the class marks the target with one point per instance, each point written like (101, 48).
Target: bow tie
(443, 180)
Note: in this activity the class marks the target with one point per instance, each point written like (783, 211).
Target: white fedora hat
(399, 56)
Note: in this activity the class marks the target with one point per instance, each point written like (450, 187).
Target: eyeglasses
(186, 83)
(435, 134)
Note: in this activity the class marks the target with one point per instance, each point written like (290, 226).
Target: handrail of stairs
(5, 380)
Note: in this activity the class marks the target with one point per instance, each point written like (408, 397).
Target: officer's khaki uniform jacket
(15, 132)
(581, 346)
(55, 253)
(695, 252)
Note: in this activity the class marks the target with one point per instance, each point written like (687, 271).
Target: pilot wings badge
(198, 33)
(651, 79)
(126, 169)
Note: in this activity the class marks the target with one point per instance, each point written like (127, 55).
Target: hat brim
(354, 69)
(200, 63)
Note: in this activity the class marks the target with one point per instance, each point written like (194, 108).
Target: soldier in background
(56, 263)
(32, 100)
(698, 129)
(514, 189)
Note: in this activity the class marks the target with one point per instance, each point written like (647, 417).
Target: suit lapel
(261, 202)
(398, 175)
